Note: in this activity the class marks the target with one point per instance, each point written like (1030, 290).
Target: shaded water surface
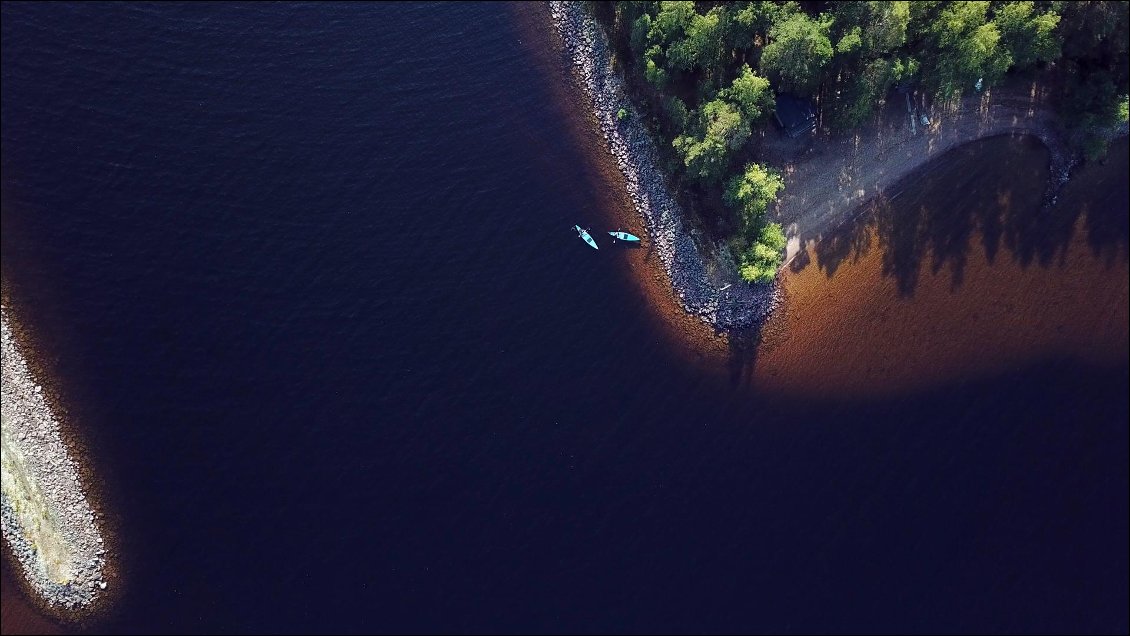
(305, 277)
(961, 273)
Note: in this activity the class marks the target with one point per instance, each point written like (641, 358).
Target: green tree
(761, 260)
(747, 24)
(1029, 38)
(654, 67)
(627, 14)
(867, 35)
(671, 21)
(751, 93)
(1095, 67)
(962, 47)
(859, 93)
(903, 68)
(798, 50)
(669, 25)
(675, 114)
(751, 192)
(701, 44)
(720, 129)
(922, 15)
(640, 30)
(870, 28)
(851, 43)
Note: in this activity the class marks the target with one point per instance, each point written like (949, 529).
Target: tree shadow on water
(851, 242)
(1105, 208)
(987, 195)
(1100, 230)
(743, 347)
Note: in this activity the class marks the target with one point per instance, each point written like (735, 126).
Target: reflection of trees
(993, 189)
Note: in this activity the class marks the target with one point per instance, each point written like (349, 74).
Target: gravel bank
(47, 520)
(714, 292)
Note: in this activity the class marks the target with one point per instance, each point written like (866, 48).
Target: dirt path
(827, 178)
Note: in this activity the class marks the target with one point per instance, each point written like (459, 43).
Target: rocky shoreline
(827, 178)
(47, 520)
(712, 290)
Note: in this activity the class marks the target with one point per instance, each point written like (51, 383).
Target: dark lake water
(304, 276)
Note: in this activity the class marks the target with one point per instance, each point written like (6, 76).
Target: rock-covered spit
(47, 519)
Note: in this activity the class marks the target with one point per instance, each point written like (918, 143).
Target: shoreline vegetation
(664, 83)
(49, 525)
(703, 288)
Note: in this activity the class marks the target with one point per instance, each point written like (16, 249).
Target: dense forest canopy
(709, 73)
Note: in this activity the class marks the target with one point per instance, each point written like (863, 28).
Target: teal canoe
(624, 236)
(585, 235)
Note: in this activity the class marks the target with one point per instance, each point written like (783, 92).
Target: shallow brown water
(959, 275)
(17, 614)
(550, 468)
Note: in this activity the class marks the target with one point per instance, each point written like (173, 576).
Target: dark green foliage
(1029, 37)
(707, 73)
(653, 67)
(963, 46)
(760, 245)
(667, 27)
(797, 52)
(675, 114)
(751, 192)
(869, 29)
(860, 93)
(751, 94)
(640, 28)
(747, 24)
(866, 63)
(1096, 69)
(720, 129)
(701, 44)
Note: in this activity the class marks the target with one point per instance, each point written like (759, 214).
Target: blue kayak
(585, 235)
(624, 236)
